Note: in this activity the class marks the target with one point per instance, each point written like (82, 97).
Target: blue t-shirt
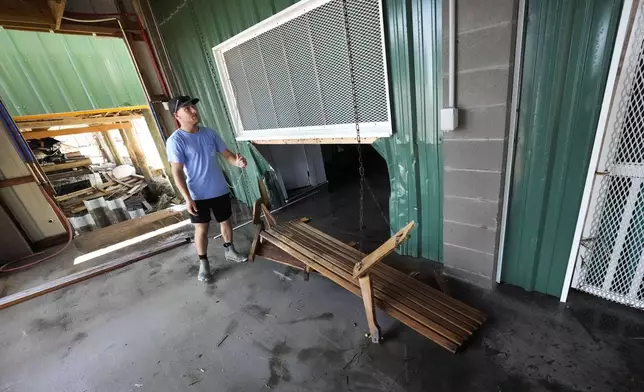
(197, 151)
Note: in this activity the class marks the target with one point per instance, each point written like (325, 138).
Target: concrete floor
(153, 327)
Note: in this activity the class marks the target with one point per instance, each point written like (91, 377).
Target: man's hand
(191, 206)
(240, 161)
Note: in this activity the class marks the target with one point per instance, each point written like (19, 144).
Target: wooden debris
(126, 188)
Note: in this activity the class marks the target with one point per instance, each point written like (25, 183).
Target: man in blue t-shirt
(191, 152)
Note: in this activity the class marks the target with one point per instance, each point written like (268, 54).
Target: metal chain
(356, 117)
(375, 200)
(164, 21)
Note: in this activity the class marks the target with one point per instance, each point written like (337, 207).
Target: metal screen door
(611, 257)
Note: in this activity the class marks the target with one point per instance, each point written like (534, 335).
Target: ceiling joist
(76, 121)
(74, 131)
(47, 15)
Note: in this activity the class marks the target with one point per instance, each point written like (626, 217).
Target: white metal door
(611, 255)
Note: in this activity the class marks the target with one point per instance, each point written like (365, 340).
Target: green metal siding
(568, 47)
(414, 153)
(413, 39)
(52, 73)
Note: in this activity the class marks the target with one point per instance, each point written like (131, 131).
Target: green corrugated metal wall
(52, 73)
(568, 47)
(414, 48)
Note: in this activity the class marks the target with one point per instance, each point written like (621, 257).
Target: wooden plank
(440, 314)
(89, 273)
(144, 167)
(57, 8)
(273, 253)
(349, 284)
(78, 121)
(367, 299)
(270, 221)
(383, 250)
(91, 112)
(399, 287)
(75, 194)
(263, 194)
(26, 12)
(257, 211)
(16, 181)
(253, 245)
(67, 165)
(110, 235)
(73, 131)
(330, 264)
(394, 275)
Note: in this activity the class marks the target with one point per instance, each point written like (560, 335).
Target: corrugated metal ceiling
(51, 73)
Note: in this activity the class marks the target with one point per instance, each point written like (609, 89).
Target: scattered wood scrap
(128, 188)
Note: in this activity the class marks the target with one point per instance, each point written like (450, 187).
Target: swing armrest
(383, 250)
(257, 211)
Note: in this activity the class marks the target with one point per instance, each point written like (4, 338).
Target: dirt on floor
(259, 326)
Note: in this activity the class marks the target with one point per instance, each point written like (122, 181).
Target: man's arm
(180, 180)
(234, 159)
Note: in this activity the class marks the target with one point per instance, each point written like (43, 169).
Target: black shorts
(220, 207)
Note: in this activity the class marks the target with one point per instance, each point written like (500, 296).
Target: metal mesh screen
(612, 258)
(298, 75)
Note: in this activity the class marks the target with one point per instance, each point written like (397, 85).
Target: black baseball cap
(180, 101)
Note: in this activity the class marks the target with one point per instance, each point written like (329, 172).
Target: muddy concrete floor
(153, 327)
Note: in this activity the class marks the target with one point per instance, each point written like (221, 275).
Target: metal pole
(514, 123)
(452, 54)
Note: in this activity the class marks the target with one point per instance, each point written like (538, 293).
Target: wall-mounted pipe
(451, 97)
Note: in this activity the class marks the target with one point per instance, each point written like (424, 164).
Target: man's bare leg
(201, 243)
(227, 235)
(226, 231)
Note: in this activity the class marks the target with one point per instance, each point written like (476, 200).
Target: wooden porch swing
(434, 314)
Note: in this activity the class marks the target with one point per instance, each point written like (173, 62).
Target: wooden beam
(338, 140)
(74, 131)
(16, 181)
(76, 121)
(141, 158)
(90, 112)
(383, 250)
(112, 147)
(159, 142)
(72, 28)
(367, 298)
(57, 8)
(67, 165)
(128, 147)
(27, 12)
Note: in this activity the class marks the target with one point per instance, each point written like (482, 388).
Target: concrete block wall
(474, 154)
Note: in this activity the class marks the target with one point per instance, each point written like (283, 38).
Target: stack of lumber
(432, 313)
(73, 160)
(129, 188)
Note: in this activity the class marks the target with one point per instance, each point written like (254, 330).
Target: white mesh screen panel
(290, 75)
(611, 263)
